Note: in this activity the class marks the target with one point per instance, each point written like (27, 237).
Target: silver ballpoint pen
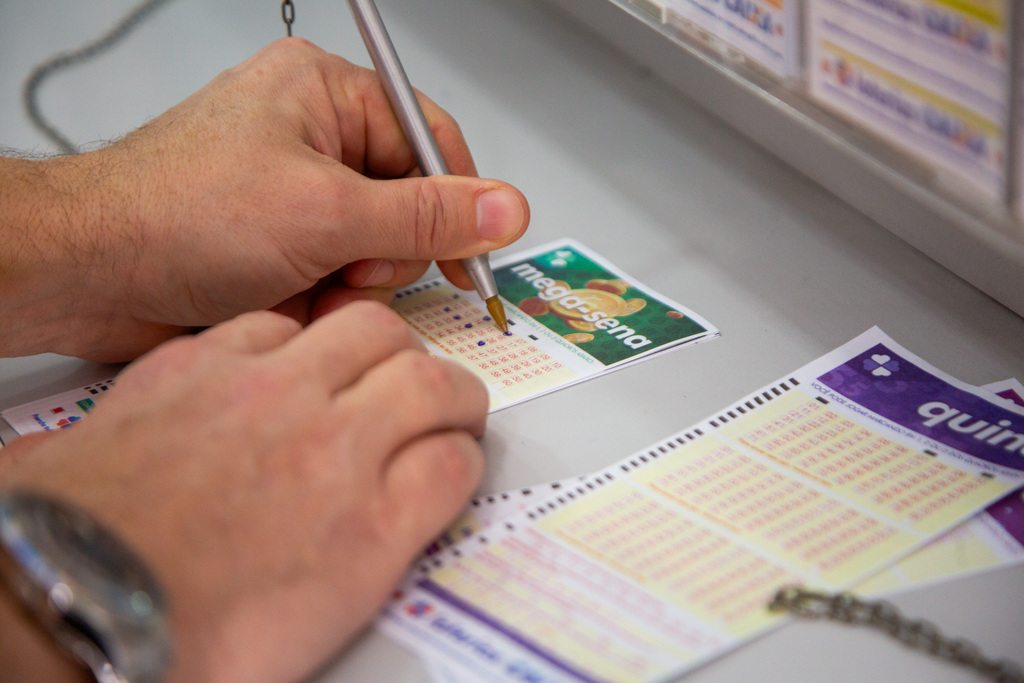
(414, 124)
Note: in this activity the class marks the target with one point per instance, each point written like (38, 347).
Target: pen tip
(497, 312)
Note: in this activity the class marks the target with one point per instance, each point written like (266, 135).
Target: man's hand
(286, 184)
(277, 480)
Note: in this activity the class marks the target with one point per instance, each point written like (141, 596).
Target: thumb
(437, 217)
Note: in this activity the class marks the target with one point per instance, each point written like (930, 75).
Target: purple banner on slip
(891, 386)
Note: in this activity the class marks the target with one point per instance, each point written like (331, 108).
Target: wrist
(57, 258)
(29, 654)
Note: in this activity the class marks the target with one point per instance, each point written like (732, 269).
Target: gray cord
(62, 60)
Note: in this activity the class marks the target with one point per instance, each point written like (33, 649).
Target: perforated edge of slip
(97, 388)
(418, 288)
(570, 494)
(743, 407)
(753, 402)
(505, 496)
(93, 389)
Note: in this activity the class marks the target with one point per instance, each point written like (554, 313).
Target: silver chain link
(883, 615)
(288, 15)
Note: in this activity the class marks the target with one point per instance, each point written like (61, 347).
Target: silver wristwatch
(84, 587)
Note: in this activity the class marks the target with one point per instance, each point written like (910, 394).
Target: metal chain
(63, 60)
(288, 15)
(40, 73)
(918, 634)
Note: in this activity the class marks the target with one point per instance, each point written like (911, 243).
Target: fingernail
(499, 214)
(382, 273)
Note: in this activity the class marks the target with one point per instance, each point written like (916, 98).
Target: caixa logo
(466, 640)
(419, 608)
(956, 131)
(958, 28)
(755, 14)
(522, 671)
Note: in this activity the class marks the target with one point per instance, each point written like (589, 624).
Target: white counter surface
(612, 157)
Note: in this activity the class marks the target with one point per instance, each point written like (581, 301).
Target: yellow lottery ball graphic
(581, 325)
(583, 302)
(634, 305)
(612, 286)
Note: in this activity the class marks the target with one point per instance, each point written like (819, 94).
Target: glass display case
(776, 75)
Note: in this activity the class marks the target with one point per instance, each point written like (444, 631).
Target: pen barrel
(410, 116)
(396, 85)
(480, 274)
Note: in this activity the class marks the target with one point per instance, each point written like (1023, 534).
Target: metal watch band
(83, 586)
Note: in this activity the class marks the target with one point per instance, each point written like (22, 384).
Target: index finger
(456, 274)
(374, 143)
